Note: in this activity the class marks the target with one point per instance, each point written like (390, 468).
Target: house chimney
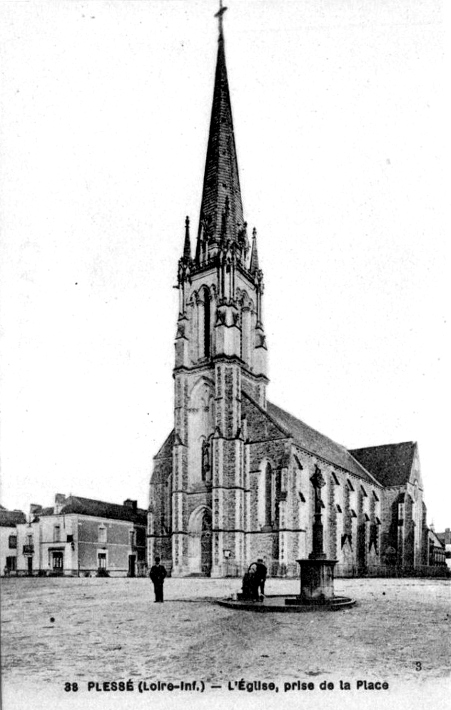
(133, 504)
(60, 499)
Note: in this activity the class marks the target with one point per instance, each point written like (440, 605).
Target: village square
(109, 630)
(267, 557)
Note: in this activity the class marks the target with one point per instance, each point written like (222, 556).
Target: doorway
(200, 542)
(58, 561)
(205, 544)
(131, 566)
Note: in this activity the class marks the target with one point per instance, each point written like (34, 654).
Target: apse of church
(232, 482)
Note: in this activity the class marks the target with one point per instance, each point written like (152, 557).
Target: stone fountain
(317, 572)
(317, 575)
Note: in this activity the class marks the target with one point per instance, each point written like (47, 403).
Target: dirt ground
(58, 631)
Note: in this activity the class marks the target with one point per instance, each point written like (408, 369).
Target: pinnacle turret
(254, 266)
(187, 244)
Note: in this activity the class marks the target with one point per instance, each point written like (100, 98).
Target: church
(231, 483)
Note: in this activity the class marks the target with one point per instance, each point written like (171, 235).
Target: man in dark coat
(260, 574)
(157, 575)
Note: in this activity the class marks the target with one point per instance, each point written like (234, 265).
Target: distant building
(445, 539)
(436, 549)
(232, 481)
(9, 519)
(81, 536)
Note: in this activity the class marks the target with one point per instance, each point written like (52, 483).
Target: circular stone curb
(271, 604)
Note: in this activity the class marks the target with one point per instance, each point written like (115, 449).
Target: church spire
(221, 179)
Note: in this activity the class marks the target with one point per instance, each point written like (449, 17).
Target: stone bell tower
(220, 350)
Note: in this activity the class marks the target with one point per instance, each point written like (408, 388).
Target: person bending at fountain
(260, 574)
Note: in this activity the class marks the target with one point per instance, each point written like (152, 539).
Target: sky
(340, 132)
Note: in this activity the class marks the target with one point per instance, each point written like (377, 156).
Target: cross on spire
(219, 15)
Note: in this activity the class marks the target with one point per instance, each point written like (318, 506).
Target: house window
(338, 508)
(365, 495)
(12, 542)
(375, 496)
(101, 560)
(301, 496)
(132, 539)
(335, 477)
(56, 533)
(102, 533)
(401, 511)
(350, 486)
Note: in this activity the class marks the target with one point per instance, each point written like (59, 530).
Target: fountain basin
(288, 604)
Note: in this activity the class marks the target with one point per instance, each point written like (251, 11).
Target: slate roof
(166, 449)
(439, 539)
(99, 509)
(10, 518)
(317, 443)
(388, 465)
(444, 537)
(260, 425)
(391, 464)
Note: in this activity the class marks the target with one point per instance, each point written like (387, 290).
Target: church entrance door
(200, 542)
(205, 544)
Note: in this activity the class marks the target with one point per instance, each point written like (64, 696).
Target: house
(81, 536)
(9, 519)
(445, 539)
(436, 549)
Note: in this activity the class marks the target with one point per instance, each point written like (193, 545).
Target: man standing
(157, 575)
(260, 574)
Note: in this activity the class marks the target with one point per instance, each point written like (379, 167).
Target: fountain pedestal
(317, 573)
(317, 580)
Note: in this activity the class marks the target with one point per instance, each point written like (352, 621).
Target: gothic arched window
(268, 495)
(166, 512)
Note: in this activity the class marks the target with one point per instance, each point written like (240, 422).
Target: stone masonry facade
(232, 482)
